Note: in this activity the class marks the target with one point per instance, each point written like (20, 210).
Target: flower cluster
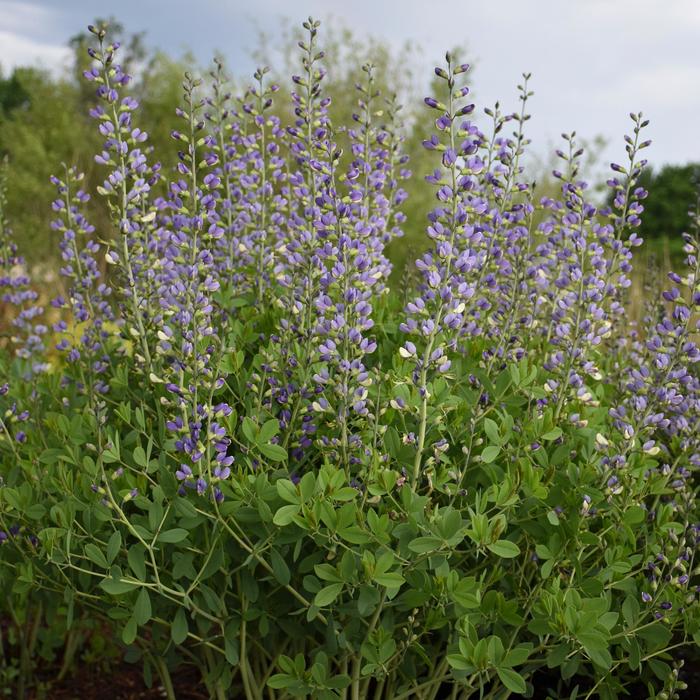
(88, 297)
(258, 171)
(16, 290)
(331, 262)
(585, 264)
(189, 342)
(126, 189)
(659, 392)
(435, 319)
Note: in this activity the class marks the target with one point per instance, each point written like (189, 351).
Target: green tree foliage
(672, 193)
(12, 94)
(44, 129)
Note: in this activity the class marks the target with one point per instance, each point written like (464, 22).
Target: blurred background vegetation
(44, 122)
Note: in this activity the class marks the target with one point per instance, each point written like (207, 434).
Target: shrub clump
(242, 450)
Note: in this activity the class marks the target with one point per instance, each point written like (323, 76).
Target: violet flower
(88, 297)
(16, 290)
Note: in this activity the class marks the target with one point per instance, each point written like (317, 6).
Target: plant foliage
(239, 451)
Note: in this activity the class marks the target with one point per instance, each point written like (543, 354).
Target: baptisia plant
(16, 285)
(241, 450)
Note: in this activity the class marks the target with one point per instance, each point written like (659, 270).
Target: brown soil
(123, 682)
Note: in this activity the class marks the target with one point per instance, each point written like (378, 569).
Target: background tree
(672, 193)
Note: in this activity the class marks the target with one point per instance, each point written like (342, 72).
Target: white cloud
(17, 50)
(22, 17)
(26, 37)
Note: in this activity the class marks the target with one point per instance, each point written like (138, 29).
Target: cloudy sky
(593, 61)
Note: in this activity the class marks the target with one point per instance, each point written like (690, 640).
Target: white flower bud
(601, 442)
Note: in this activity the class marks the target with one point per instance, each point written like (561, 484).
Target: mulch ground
(123, 682)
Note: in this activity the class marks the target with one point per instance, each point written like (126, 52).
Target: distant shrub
(250, 457)
(673, 192)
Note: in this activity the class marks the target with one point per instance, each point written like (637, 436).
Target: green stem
(165, 678)
(356, 668)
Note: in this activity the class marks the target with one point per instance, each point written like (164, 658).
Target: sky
(592, 61)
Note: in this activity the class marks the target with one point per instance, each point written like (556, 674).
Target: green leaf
(556, 656)
(553, 434)
(459, 662)
(231, 651)
(142, 609)
(661, 670)
(116, 586)
(600, 657)
(466, 593)
(630, 610)
(490, 453)
(608, 620)
(392, 441)
(635, 655)
(492, 431)
(287, 491)
(129, 631)
(113, 546)
(570, 667)
(173, 536)
(140, 456)
(543, 552)
(280, 568)
(327, 594)
(504, 548)
(634, 515)
(421, 545)
(347, 493)
(249, 429)
(50, 456)
(285, 515)
(517, 656)
(275, 453)
(307, 486)
(94, 554)
(515, 375)
(11, 497)
(326, 572)
(621, 567)
(339, 682)
(110, 457)
(354, 534)
(512, 680)
(367, 600)
(281, 680)
(547, 568)
(35, 512)
(178, 627)
(657, 635)
(592, 640)
(136, 558)
(390, 580)
(269, 429)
